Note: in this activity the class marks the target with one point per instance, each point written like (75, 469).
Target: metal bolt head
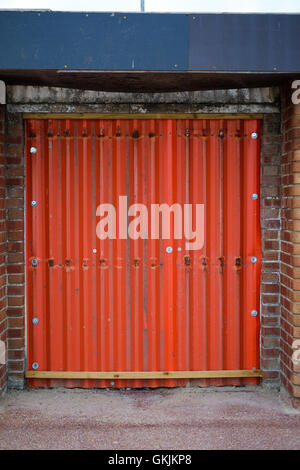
(254, 135)
(254, 196)
(35, 365)
(33, 203)
(33, 150)
(34, 262)
(253, 259)
(35, 321)
(169, 249)
(254, 313)
(112, 383)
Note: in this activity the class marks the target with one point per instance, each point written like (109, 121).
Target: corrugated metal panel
(128, 305)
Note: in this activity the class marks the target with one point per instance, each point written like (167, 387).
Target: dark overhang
(148, 51)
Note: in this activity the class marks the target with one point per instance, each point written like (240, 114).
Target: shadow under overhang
(144, 81)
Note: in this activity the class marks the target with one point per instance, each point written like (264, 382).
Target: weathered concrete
(36, 94)
(61, 100)
(231, 418)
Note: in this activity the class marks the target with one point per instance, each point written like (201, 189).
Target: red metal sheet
(129, 305)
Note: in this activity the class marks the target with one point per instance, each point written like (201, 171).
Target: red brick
(17, 343)
(270, 375)
(270, 213)
(271, 255)
(16, 365)
(271, 245)
(15, 214)
(15, 290)
(14, 203)
(270, 353)
(16, 279)
(15, 269)
(14, 150)
(270, 191)
(18, 322)
(290, 259)
(15, 224)
(15, 171)
(271, 224)
(271, 170)
(14, 139)
(270, 288)
(269, 321)
(12, 198)
(269, 363)
(15, 301)
(15, 311)
(15, 235)
(269, 277)
(273, 342)
(15, 192)
(270, 234)
(270, 266)
(15, 247)
(16, 354)
(16, 333)
(268, 309)
(271, 202)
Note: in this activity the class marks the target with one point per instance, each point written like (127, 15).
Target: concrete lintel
(142, 109)
(34, 95)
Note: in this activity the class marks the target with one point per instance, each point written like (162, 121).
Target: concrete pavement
(190, 418)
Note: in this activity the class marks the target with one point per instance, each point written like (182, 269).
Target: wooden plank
(209, 374)
(139, 116)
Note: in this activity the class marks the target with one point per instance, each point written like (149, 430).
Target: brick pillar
(290, 244)
(270, 226)
(3, 311)
(15, 249)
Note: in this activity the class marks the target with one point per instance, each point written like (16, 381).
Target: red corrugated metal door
(133, 302)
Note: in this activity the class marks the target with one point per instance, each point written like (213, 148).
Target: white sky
(243, 6)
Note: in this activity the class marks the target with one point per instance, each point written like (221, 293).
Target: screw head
(112, 383)
(254, 313)
(35, 321)
(33, 150)
(169, 249)
(253, 259)
(33, 203)
(35, 365)
(34, 262)
(254, 135)
(254, 196)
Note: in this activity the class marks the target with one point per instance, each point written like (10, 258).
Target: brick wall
(290, 243)
(3, 300)
(270, 227)
(270, 282)
(270, 223)
(15, 248)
